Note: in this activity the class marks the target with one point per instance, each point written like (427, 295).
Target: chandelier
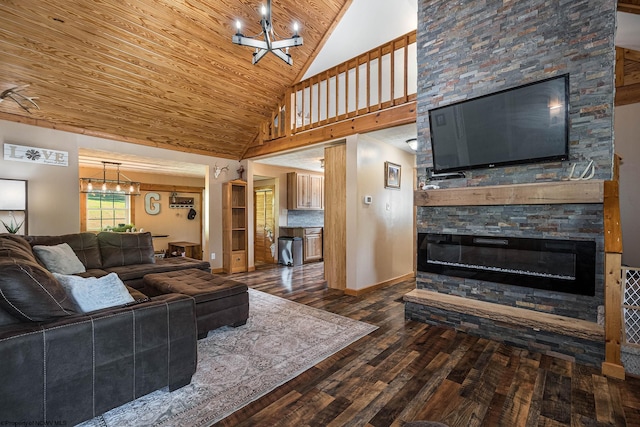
(280, 48)
(120, 185)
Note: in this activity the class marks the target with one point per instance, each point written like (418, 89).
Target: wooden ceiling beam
(627, 94)
(629, 7)
(627, 70)
(99, 134)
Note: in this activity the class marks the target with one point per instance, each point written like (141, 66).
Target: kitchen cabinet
(234, 226)
(311, 241)
(305, 191)
(312, 245)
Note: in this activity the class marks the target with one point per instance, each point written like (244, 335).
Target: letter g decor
(152, 203)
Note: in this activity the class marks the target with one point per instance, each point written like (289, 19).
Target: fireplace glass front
(556, 265)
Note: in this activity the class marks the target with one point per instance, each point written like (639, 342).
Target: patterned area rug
(236, 366)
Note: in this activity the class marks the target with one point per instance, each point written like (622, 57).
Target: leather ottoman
(219, 301)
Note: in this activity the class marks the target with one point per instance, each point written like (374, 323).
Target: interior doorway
(264, 239)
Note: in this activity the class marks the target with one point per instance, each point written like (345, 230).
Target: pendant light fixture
(120, 185)
(280, 47)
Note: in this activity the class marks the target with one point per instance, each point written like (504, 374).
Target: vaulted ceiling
(162, 73)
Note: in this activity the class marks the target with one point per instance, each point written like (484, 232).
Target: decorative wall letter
(151, 203)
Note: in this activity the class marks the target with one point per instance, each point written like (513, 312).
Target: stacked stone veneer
(469, 49)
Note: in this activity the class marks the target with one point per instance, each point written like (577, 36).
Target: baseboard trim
(358, 292)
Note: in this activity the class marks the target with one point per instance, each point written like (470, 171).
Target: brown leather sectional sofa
(130, 255)
(59, 365)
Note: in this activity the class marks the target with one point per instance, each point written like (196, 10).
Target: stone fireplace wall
(469, 49)
(574, 221)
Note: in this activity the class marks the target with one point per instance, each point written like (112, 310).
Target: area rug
(236, 366)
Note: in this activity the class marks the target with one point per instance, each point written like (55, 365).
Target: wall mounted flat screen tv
(526, 124)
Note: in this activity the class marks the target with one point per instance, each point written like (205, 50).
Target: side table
(191, 250)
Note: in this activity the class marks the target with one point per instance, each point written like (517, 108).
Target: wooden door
(265, 226)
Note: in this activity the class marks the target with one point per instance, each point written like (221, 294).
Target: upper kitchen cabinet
(305, 191)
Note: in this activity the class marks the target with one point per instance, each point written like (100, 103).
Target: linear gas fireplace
(550, 264)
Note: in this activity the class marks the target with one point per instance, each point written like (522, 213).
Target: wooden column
(335, 216)
(612, 365)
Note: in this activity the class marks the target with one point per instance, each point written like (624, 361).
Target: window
(107, 211)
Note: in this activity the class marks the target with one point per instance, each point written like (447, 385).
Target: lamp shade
(13, 195)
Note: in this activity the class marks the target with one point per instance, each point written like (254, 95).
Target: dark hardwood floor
(407, 371)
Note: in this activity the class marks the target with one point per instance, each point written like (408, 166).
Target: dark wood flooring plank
(602, 395)
(405, 370)
(556, 402)
(518, 401)
(354, 414)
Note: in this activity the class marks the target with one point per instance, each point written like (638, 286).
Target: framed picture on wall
(391, 175)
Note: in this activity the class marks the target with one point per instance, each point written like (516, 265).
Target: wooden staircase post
(612, 365)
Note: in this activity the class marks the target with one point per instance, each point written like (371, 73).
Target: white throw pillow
(59, 259)
(95, 293)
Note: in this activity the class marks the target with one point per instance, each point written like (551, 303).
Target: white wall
(627, 145)
(53, 190)
(366, 25)
(380, 236)
(54, 199)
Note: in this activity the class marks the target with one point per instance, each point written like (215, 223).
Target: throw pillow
(84, 244)
(59, 259)
(95, 293)
(30, 293)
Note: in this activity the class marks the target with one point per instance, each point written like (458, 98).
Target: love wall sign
(22, 153)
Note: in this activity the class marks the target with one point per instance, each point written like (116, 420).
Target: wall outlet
(213, 255)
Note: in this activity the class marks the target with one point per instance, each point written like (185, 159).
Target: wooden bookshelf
(234, 226)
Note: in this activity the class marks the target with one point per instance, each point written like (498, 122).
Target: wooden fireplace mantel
(540, 193)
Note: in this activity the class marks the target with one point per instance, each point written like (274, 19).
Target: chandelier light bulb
(238, 25)
(90, 186)
(104, 186)
(264, 10)
(118, 187)
(131, 188)
(295, 27)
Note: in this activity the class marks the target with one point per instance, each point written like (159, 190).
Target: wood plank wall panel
(155, 72)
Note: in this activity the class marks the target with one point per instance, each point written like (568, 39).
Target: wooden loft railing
(382, 78)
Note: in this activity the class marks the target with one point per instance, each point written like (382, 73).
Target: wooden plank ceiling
(161, 73)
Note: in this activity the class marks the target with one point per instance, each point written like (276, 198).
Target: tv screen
(529, 123)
